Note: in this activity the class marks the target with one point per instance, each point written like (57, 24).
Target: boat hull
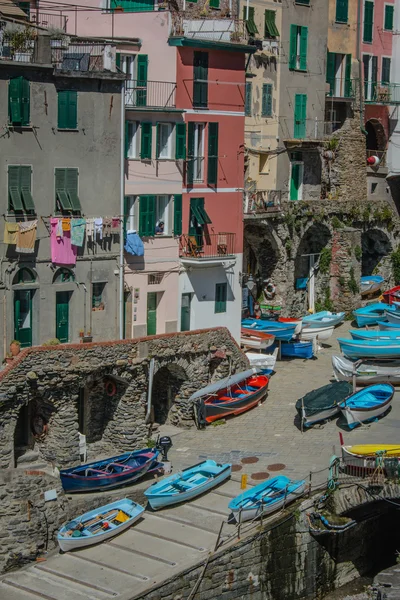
(356, 411)
(371, 284)
(297, 349)
(369, 349)
(393, 316)
(281, 331)
(386, 326)
(297, 322)
(311, 333)
(366, 373)
(365, 334)
(323, 319)
(370, 314)
(219, 410)
(392, 295)
(262, 361)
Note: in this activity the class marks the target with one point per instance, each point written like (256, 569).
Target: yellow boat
(362, 458)
(373, 449)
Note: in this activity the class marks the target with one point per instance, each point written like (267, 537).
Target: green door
(151, 313)
(62, 316)
(295, 181)
(300, 116)
(185, 312)
(23, 317)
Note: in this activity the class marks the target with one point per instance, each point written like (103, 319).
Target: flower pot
(15, 349)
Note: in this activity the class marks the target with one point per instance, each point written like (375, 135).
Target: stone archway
(167, 385)
(262, 253)
(314, 240)
(376, 137)
(375, 245)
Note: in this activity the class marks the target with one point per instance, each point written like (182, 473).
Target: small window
(63, 276)
(132, 5)
(132, 139)
(342, 11)
(385, 75)
(164, 140)
(198, 175)
(220, 297)
(306, 2)
(368, 21)
(98, 296)
(67, 109)
(66, 188)
(162, 225)
(264, 164)
(389, 11)
(19, 189)
(298, 48)
(373, 187)
(155, 278)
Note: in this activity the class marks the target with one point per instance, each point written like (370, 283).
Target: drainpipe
(121, 212)
(150, 389)
(247, 9)
(360, 70)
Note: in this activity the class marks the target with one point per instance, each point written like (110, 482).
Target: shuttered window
(145, 142)
(66, 188)
(368, 20)
(385, 76)
(19, 101)
(180, 141)
(212, 167)
(266, 110)
(190, 155)
(298, 48)
(67, 109)
(250, 23)
(178, 214)
(200, 79)
(300, 116)
(142, 62)
(132, 5)
(270, 28)
(220, 297)
(247, 100)
(342, 11)
(19, 189)
(147, 215)
(389, 11)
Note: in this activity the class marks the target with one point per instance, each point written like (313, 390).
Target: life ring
(270, 291)
(110, 387)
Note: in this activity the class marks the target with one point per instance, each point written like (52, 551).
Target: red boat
(292, 320)
(392, 295)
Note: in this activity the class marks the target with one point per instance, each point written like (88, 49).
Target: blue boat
(367, 404)
(366, 334)
(187, 484)
(386, 326)
(266, 498)
(371, 314)
(371, 284)
(369, 348)
(281, 331)
(109, 473)
(392, 314)
(99, 524)
(297, 349)
(324, 317)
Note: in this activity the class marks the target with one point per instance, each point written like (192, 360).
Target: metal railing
(218, 29)
(262, 201)
(80, 57)
(157, 94)
(203, 246)
(306, 130)
(341, 87)
(381, 93)
(49, 20)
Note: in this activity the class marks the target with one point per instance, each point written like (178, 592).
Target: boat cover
(213, 388)
(324, 397)
(345, 367)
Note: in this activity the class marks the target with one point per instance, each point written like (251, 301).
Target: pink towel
(62, 252)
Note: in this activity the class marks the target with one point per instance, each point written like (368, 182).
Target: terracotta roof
(10, 9)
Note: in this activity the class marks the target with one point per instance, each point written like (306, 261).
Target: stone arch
(375, 245)
(314, 240)
(63, 275)
(25, 276)
(263, 251)
(168, 382)
(376, 136)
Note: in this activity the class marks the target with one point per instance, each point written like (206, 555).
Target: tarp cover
(324, 398)
(223, 383)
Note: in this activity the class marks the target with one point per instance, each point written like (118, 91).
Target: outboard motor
(164, 443)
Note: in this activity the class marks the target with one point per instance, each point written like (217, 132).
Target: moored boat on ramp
(365, 371)
(367, 404)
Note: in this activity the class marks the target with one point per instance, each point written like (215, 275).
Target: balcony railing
(341, 87)
(203, 246)
(381, 93)
(306, 130)
(81, 56)
(49, 20)
(150, 94)
(216, 29)
(262, 201)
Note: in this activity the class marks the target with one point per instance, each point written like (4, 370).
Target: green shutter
(25, 102)
(293, 47)
(178, 214)
(126, 139)
(118, 60)
(385, 76)
(270, 28)
(142, 68)
(200, 79)
(348, 91)
(190, 156)
(61, 190)
(295, 181)
(72, 109)
(180, 141)
(214, 3)
(368, 20)
(145, 142)
(126, 212)
(147, 215)
(303, 48)
(250, 23)
(157, 140)
(14, 100)
(62, 109)
(151, 216)
(330, 71)
(266, 110)
(220, 297)
(247, 101)
(212, 167)
(342, 10)
(389, 10)
(14, 194)
(300, 116)
(25, 174)
(67, 109)
(71, 186)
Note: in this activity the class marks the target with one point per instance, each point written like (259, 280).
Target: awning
(223, 383)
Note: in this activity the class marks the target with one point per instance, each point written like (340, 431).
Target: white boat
(366, 372)
(367, 404)
(262, 361)
(312, 333)
(254, 342)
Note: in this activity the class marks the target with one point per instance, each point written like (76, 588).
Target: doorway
(151, 313)
(62, 316)
(23, 317)
(185, 312)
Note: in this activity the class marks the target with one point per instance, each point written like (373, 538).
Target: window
(178, 214)
(247, 100)
(19, 189)
(132, 5)
(195, 165)
(342, 11)
(300, 115)
(25, 275)
(164, 140)
(162, 216)
(264, 164)
(266, 109)
(130, 213)
(338, 74)
(155, 278)
(388, 23)
(220, 297)
(66, 184)
(370, 76)
(212, 164)
(67, 109)
(132, 139)
(296, 177)
(200, 79)
(298, 48)
(248, 18)
(180, 141)
(385, 76)
(126, 64)
(142, 62)
(270, 29)
(98, 296)
(19, 101)
(146, 141)
(368, 20)
(373, 187)
(154, 210)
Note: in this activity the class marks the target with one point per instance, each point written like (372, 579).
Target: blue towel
(133, 244)
(78, 227)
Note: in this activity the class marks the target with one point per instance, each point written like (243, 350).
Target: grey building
(60, 157)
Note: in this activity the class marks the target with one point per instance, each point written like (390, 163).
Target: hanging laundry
(90, 228)
(98, 227)
(78, 232)
(62, 251)
(10, 232)
(59, 229)
(107, 223)
(26, 237)
(66, 224)
(115, 225)
(133, 243)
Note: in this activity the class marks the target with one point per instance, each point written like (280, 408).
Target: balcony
(341, 88)
(56, 21)
(210, 29)
(207, 249)
(306, 131)
(150, 94)
(381, 93)
(260, 202)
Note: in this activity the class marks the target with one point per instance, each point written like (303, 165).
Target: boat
(187, 484)
(392, 295)
(322, 318)
(366, 372)
(297, 322)
(229, 396)
(256, 339)
(265, 498)
(281, 331)
(99, 524)
(322, 404)
(109, 473)
(371, 284)
(294, 349)
(363, 458)
(369, 348)
(367, 334)
(323, 333)
(263, 362)
(367, 404)
(370, 314)
(386, 326)
(392, 315)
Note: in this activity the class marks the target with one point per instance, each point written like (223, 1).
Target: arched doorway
(167, 384)
(316, 238)
(375, 247)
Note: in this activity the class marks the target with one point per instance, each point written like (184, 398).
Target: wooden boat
(300, 349)
(323, 403)
(323, 318)
(392, 315)
(370, 314)
(188, 484)
(367, 334)
(256, 339)
(362, 459)
(99, 524)
(266, 498)
(110, 472)
(392, 295)
(323, 333)
(369, 348)
(292, 321)
(370, 284)
(281, 331)
(373, 450)
(366, 372)
(230, 396)
(263, 362)
(386, 326)
(367, 404)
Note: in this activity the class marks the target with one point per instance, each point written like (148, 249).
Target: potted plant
(88, 337)
(15, 347)
(8, 358)
(81, 333)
